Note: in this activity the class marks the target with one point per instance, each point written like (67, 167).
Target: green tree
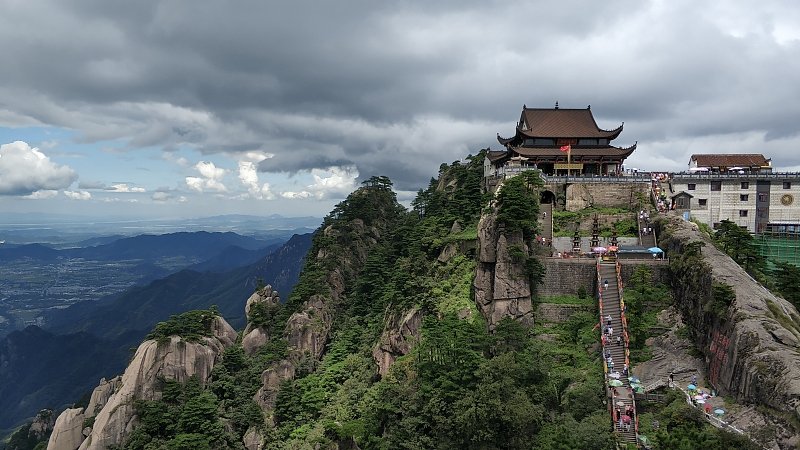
(787, 281)
(518, 203)
(739, 244)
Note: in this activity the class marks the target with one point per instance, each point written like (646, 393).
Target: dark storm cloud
(396, 88)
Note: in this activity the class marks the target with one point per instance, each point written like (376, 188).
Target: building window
(744, 197)
(702, 202)
(691, 186)
(716, 185)
(745, 185)
(742, 213)
(787, 184)
(762, 197)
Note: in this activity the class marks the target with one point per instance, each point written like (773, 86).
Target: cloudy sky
(198, 107)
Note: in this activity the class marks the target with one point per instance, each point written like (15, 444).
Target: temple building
(558, 141)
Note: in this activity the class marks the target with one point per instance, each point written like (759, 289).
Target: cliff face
(176, 360)
(400, 334)
(262, 302)
(751, 351)
(340, 250)
(502, 288)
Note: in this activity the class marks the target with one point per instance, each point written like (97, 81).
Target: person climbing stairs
(614, 349)
(546, 220)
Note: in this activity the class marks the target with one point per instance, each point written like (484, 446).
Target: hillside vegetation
(456, 385)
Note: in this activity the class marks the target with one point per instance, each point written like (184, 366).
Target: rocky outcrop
(502, 288)
(101, 394)
(255, 335)
(307, 330)
(271, 380)
(253, 439)
(67, 432)
(751, 350)
(175, 359)
(42, 424)
(399, 336)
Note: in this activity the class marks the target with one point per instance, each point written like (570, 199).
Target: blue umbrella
(634, 379)
(655, 250)
(691, 387)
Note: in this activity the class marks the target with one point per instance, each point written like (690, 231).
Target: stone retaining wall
(566, 276)
(557, 313)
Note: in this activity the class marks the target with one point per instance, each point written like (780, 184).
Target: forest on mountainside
(461, 386)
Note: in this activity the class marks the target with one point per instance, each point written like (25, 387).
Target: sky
(197, 107)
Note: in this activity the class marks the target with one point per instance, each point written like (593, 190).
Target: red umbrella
(626, 419)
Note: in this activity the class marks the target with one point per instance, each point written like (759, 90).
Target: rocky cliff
(172, 359)
(259, 309)
(341, 248)
(750, 347)
(502, 287)
(400, 334)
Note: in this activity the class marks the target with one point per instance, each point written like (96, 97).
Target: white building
(739, 188)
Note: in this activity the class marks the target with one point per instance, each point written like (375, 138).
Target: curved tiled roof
(730, 160)
(563, 123)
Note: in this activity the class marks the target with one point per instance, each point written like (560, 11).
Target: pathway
(609, 302)
(546, 219)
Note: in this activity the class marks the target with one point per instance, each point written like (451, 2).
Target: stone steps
(610, 306)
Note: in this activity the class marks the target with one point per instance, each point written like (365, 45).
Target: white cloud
(119, 200)
(182, 199)
(161, 196)
(248, 175)
(210, 180)
(78, 195)
(124, 188)
(333, 182)
(295, 195)
(42, 194)
(25, 170)
(255, 156)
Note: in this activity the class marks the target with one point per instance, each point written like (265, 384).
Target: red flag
(566, 148)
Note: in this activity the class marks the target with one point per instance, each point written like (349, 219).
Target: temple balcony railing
(508, 172)
(735, 176)
(593, 178)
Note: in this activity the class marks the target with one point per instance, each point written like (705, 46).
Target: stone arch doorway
(547, 197)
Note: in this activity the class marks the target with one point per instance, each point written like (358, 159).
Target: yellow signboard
(565, 166)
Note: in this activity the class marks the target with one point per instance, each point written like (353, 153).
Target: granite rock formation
(398, 338)
(502, 288)
(750, 351)
(255, 336)
(175, 359)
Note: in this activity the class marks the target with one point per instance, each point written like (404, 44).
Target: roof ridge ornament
(556, 104)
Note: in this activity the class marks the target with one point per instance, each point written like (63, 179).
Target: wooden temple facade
(558, 141)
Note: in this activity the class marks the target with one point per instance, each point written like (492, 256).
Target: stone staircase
(610, 306)
(646, 240)
(546, 220)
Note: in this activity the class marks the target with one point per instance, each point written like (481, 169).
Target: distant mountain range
(70, 230)
(199, 245)
(87, 341)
